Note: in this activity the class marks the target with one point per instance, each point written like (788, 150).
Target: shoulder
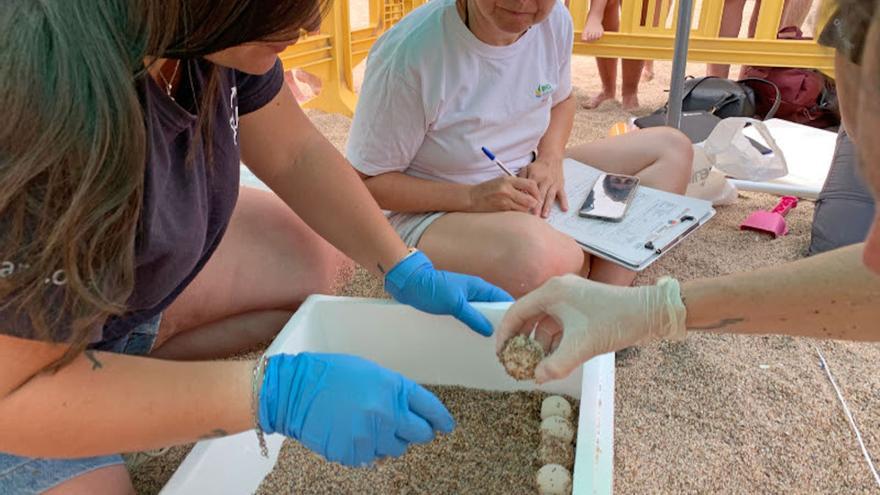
(255, 91)
(560, 17)
(405, 48)
(558, 25)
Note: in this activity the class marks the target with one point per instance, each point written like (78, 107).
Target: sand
(493, 449)
(712, 414)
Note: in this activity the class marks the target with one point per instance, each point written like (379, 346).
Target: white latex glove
(595, 319)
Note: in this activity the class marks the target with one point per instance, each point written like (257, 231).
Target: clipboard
(656, 222)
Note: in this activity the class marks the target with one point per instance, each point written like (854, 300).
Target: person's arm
(397, 191)
(547, 170)
(832, 295)
(284, 149)
(555, 138)
(104, 403)
(345, 408)
(400, 192)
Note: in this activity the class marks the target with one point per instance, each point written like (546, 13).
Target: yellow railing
(640, 39)
(333, 53)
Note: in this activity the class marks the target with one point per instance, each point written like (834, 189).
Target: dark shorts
(30, 475)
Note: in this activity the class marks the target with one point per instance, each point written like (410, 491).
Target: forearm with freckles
(285, 150)
(104, 403)
(831, 295)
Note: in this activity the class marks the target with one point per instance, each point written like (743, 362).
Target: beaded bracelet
(259, 369)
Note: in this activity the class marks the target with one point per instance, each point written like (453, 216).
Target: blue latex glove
(416, 282)
(346, 408)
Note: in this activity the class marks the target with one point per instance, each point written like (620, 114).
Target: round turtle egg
(554, 479)
(557, 427)
(555, 405)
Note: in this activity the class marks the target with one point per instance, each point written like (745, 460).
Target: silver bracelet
(259, 369)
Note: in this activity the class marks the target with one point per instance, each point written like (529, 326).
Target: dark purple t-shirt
(187, 205)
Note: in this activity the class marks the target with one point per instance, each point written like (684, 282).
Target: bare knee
(676, 160)
(329, 270)
(112, 480)
(536, 258)
(321, 268)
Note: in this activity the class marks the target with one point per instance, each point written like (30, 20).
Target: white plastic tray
(429, 349)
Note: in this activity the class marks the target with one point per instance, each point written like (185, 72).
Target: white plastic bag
(708, 183)
(728, 149)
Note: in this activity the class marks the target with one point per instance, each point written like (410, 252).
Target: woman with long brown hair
(124, 233)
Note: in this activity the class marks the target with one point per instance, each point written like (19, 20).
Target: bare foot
(597, 100)
(630, 102)
(312, 80)
(648, 71)
(294, 87)
(592, 30)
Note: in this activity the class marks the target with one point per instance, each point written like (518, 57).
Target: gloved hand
(416, 282)
(595, 319)
(347, 409)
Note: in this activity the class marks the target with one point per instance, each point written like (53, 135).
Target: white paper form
(654, 216)
(579, 180)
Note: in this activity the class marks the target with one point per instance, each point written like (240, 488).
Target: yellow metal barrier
(638, 39)
(333, 53)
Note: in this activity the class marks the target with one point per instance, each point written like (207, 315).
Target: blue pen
(497, 161)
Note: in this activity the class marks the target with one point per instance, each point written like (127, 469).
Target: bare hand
(504, 194)
(547, 173)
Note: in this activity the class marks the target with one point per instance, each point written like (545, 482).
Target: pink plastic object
(771, 222)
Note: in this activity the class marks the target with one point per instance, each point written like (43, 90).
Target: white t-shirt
(434, 94)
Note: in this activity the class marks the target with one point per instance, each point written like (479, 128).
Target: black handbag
(720, 97)
(709, 99)
(726, 98)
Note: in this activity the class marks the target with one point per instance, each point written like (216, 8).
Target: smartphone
(610, 197)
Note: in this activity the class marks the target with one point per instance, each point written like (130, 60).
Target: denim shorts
(30, 475)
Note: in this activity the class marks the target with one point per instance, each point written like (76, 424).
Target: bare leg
(225, 337)
(607, 66)
(268, 263)
(795, 12)
(659, 18)
(661, 157)
(731, 22)
(519, 252)
(648, 71)
(110, 480)
(516, 251)
(632, 73)
(753, 20)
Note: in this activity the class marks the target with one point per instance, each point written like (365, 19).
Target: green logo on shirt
(543, 89)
